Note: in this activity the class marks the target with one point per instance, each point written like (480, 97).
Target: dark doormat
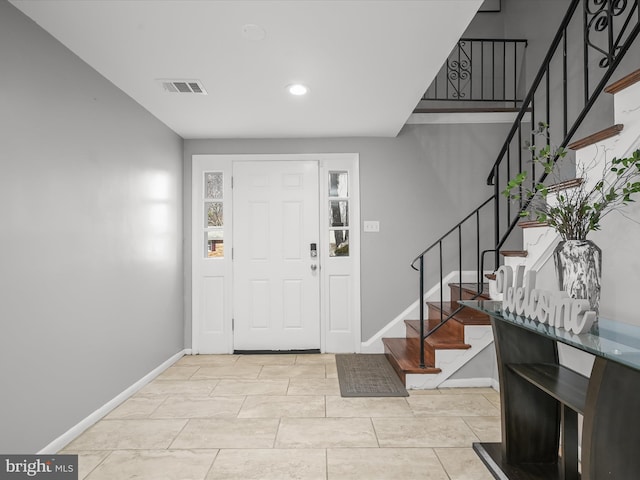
(368, 375)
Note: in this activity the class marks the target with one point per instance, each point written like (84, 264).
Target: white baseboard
(468, 383)
(75, 431)
(495, 384)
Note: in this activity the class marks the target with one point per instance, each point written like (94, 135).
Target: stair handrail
(524, 108)
(480, 262)
(611, 61)
(434, 244)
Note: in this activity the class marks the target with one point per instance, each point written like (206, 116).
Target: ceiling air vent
(183, 86)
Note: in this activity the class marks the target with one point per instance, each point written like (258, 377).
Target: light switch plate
(371, 226)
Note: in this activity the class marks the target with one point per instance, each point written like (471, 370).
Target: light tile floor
(281, 417)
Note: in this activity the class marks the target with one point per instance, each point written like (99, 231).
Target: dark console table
(541, 400)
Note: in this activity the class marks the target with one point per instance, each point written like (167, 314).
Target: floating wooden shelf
(565, 385)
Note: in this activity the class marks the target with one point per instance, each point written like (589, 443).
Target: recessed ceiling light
(297, 89)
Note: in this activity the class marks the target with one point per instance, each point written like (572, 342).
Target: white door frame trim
(327, 162)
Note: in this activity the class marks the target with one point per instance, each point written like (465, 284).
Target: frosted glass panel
(339, 243)
(338, 213)
(213, 214)
(338, 184)
(213, 185)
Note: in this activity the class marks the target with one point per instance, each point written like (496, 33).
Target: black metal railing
(482, 70)
(472, 222)
(592, 39)
(590, 43)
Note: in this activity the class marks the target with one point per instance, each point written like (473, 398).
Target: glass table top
(616, 341)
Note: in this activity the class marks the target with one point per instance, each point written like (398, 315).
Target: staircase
(447, 341)
(446, 335)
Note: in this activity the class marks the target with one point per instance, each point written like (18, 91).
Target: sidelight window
(339, 214)
(213, 220)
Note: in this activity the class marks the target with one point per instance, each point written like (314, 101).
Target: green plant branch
(578, 210)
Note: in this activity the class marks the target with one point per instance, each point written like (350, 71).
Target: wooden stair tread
(624, 82)
(472, 288)
(609, 132)
(466, 316)
(514, 253)
(490, 276)
(442, 339)
(532, 224)
(556, 187)
(405, 353)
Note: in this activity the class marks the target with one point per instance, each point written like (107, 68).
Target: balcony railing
(482, 70)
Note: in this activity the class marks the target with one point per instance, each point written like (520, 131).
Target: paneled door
(276, 278)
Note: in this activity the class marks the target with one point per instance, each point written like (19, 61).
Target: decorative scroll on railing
(592, 39)
(601, 28)
(590, 43)
(481, 70)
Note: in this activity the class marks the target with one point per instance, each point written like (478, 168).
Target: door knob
(314, 267)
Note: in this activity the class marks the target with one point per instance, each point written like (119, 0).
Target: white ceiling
(367, 63)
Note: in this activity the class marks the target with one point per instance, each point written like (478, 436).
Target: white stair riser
(626, 105)
(450, 361)
(627, 113)
(513, 262)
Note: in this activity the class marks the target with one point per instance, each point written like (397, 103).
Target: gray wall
(417, 185)
(91, 259)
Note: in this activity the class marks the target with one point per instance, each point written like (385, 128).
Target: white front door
(276, 304)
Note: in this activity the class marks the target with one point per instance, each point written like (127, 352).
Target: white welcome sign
(554, 308)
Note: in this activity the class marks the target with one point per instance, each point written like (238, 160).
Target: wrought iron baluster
(459, 262)
(478, 272)
(508, 177)
(504, 70)
(548, 94)
(421, 297)
(441, 286)
(564, 84)
(465, 70)
(493, 69)
(482, 70)
(585, 48)
(515, 74)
